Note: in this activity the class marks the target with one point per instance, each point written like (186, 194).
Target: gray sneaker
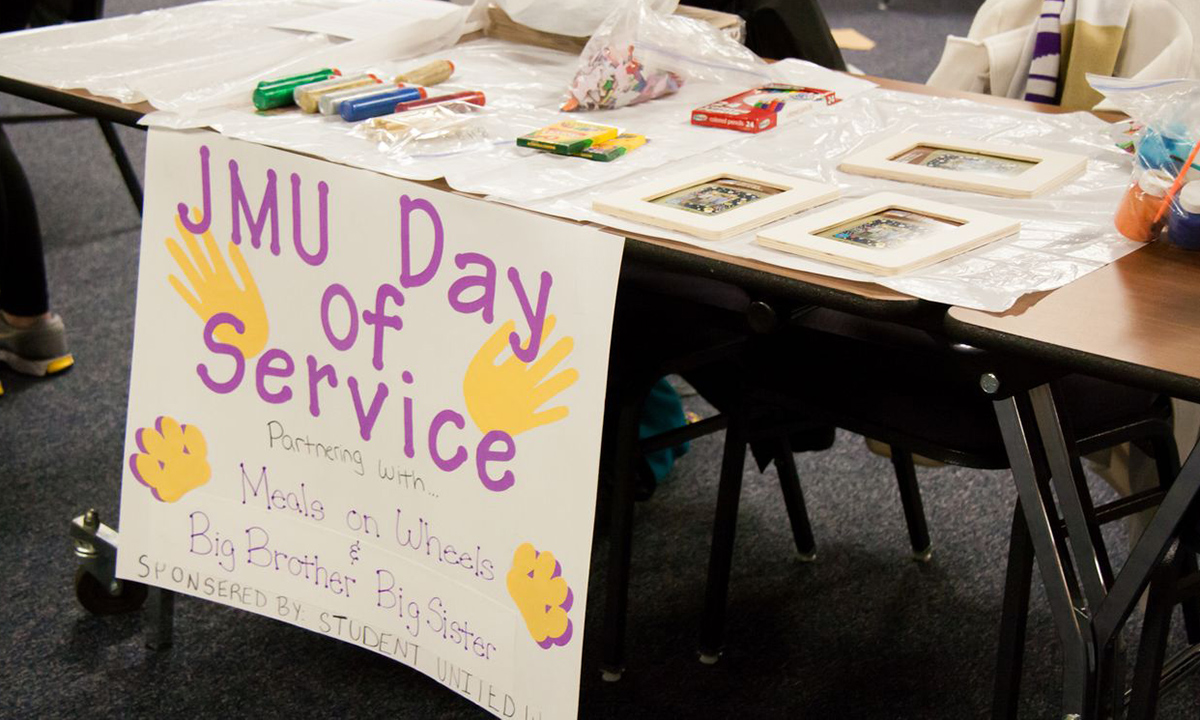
(40, 349)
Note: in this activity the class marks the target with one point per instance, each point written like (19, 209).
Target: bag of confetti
(638, 54)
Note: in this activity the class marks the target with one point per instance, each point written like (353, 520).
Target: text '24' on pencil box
(761, 108)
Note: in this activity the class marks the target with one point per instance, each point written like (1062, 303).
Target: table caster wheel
(100, 600)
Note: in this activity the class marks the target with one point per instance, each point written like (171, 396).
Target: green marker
(278, 93)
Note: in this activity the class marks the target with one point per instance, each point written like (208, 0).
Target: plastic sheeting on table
(187, 58)
(524, 86)
(1065, 234)
(578, 18)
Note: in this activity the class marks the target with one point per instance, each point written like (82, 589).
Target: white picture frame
(665, 201)
(1043, 170)
(895, 233)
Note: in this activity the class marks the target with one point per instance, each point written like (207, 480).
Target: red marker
(473, 97)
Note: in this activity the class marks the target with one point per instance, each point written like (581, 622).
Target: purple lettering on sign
(460, 454)
(535, 318)
(409, 450)
(322, 252)
(488, 452)
(409, 279)
(216, 346)
(366, 420)
(315, 376)
(266, 368)
(339, 290)
(485, 304)
(268, 209)
(380, 319)
(198, 228)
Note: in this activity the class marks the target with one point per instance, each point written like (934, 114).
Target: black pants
(22, 269)
(14, 14)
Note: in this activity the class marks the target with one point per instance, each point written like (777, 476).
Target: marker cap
(278, 93)
(1155, 182)
(1189, 198)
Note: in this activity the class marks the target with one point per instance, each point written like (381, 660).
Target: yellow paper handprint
(507, 396)
(214, 290)
(536, 585)
(173, 459)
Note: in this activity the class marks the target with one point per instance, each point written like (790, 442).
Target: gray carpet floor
(864, 632)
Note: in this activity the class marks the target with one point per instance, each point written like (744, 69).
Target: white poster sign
(371, 409)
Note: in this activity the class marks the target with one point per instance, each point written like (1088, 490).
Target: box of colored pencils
(761, 108)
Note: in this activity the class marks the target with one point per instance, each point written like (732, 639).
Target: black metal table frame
(1090, 604)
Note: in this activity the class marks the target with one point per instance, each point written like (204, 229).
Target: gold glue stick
(431, 74)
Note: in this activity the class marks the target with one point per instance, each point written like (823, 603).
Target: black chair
(907, 388)
(666, 323)
(80, 11)
(669, 322)
(781, 29)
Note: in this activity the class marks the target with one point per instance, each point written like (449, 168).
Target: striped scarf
(1072, 38)
(1042, 84)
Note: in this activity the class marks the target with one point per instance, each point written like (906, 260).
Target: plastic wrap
(639, 54)
(434, 131)
(1164, 186)
(1065, 234)
(194, 57)
(577, 18)
(523, 86)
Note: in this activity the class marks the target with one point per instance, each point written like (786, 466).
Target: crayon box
(567, 137)
(761, 108)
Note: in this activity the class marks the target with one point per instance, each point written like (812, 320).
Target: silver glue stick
(307, 96)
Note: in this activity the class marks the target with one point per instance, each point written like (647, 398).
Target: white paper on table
(370, 18)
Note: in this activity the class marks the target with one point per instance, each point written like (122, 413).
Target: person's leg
(32, 339)
(23, 294)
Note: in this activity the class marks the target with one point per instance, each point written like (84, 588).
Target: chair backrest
(779, 29)
(53, 12)
(791, 29)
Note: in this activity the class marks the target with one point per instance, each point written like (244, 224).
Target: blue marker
(384, 103)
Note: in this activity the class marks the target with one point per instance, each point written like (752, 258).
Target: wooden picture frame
(887, 233)
(716, 201)
(974, 165)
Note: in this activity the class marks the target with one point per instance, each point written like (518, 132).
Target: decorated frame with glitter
(972, 165)
(715, 201)
(887, 233)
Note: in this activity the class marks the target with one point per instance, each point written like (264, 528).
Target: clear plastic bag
(638, 54)
(436, 130)
(577, 18)
(1164, 189)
